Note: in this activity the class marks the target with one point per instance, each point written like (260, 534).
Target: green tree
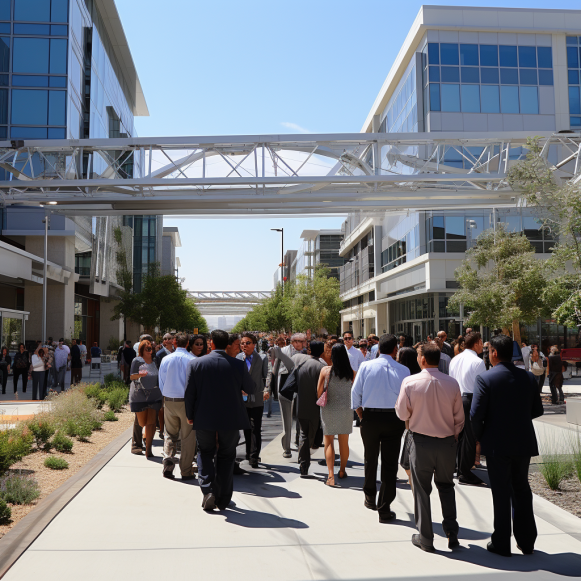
(560, 204)
(501, 282)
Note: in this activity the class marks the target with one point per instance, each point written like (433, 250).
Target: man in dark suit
(215, 384)
(257, 366)
(506, 400)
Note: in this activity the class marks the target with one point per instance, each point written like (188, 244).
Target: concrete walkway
(129, 523)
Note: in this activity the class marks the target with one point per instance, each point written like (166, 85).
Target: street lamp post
(281, 230)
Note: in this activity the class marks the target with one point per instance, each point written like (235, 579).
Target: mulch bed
(568, 497)
(49, 480)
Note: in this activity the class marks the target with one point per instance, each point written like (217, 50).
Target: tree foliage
(162, 303)
(501, 282)
(561, 206)
(307, 303)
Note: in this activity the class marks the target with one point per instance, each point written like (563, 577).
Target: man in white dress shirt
(465, 368)
(355, 356)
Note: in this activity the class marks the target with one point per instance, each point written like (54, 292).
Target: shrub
(19, 489)
(42, 428)
(61, 443)
(577, 456)
(554, 469)
(110, 378)
(76, 414)
(56, 463)
(110, 416)
(5, 512)
(14, 445)
(117, 398)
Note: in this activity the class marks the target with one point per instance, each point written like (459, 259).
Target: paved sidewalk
(129, 523)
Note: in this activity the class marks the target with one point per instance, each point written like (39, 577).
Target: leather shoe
(169, 475)
(492, 549)
(453, 541)
(237, 469)
(416, 542)
(191, 477)
(471, 482)
(287, 454)
(209, 502)
(386, 517)
(254, 463)
(370, 504)
(527, 552)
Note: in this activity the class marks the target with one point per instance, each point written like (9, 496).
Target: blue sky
(262, 67)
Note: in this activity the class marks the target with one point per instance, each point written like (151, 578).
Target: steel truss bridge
(227, 302)
(274, 174)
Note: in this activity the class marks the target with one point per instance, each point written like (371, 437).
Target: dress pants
(16, 373)
(253, 436)
(177, 428)
(381, 431)
(76, 375)
(511, 493)
(286, 410)
(3, 375)
(540, 379)
(37, 384)
(137, 438)
(467, 445)
(433, 457)
(59, 377)
(218, 477)
(306, 442)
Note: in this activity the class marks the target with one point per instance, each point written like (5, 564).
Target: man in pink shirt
(432, 403)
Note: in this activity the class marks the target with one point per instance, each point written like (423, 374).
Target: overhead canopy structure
(215, 303)
(275, 174)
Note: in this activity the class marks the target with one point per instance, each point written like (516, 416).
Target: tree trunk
(516, 331)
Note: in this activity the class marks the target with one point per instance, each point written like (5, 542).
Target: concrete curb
(18, 539)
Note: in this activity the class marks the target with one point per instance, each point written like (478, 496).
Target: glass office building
(477, 70)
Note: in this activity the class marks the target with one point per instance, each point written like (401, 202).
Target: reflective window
(24, 8)
(57, 107)
(574, 103)
(509, 76)
(529, 100)
(5, 9)
(490, 99)
(29, 81)
(470, 75)
(4, 54)
(545, 77)
(3, 106)
(572, 40)
(59, 30)
(545, 57)
(489, 55)
(30, 55)
(572, 57)
(5, 27)
(434, 74)
(575, 121)
(449, 54)
(4, 132)
(489, 76)
(450, 74)
(4, 80)
(58, 82)
(509, 99)
(527, 56)
(438, 224)
(29, 107)
(59, 11)
(469, 54)
(470, 98)
(434, 97)
(43, 29)
(508, 56)
(450, 97)
(58, 56)
(573, 77)
(528, 76)
(433, 53)
(455, 227)
(28, 132)
(57, 133)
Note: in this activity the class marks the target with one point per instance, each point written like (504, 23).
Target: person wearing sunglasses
(144, 394)
(356, 358)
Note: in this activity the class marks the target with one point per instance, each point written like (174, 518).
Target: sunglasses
(148, 349)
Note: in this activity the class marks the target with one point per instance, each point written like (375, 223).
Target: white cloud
(295, 127)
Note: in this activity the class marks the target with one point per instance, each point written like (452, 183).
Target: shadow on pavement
(261, 484)
(253, 519)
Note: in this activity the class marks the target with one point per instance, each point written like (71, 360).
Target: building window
(574, 64)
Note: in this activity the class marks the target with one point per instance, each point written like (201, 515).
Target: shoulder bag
(322, 401)
(291, 385)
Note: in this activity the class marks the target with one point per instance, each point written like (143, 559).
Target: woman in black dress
(555, 370)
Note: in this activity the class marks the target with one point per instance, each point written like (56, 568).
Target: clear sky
(262, 67)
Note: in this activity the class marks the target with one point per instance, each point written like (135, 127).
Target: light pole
(281, 230)
(46, 222)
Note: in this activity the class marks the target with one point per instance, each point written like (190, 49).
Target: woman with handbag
(145, 397)
(537, 364)
(334, 393)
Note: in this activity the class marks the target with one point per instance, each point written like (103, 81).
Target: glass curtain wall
(574, 76)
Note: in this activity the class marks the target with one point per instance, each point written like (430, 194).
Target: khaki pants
(177, 428)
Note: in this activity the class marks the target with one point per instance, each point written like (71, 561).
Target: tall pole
(44, 269)
(282, 259)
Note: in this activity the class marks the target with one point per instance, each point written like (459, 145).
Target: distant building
(319, 247)
(170, 241)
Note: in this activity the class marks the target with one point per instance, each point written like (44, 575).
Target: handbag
(537, 369)
(322, 401)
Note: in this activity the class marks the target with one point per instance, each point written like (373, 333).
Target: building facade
(66, 71)
(478, 70)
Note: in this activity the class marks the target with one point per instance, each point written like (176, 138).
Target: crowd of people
(434, 408)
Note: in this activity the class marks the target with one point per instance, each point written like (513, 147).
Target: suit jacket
(214, 392)
(260, 378)
(506, 400)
